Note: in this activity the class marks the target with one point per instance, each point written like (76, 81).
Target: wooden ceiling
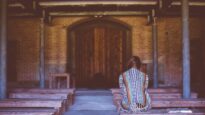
(102, 7)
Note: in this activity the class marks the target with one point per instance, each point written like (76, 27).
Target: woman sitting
(133, 84)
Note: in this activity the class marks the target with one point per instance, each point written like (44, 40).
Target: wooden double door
(98, 51)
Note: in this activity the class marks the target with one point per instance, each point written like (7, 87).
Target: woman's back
(133, 84)
(136, 82)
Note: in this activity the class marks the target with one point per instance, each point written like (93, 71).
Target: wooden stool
(54, 80)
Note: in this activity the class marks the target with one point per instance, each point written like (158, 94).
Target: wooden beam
(22, 15)
(195, 3)
(18, 5)
(106, 13)
(87, 13)
(3, 50)
(83, 3)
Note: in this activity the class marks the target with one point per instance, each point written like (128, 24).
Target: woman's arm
(146, 81)
(122, 86)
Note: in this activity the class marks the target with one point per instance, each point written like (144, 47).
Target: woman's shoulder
(133, 70)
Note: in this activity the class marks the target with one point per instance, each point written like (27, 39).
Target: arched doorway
(98, 51)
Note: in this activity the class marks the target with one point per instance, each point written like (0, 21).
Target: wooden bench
(45, 90)
(27, 111)
(152, 90)
(55, 77)
(177, 103)
(70, 91)
(159, 95)
(28, 95)
(168, 112)
(32, 103)
(165, 103)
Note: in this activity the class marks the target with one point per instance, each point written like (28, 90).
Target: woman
(133, 84)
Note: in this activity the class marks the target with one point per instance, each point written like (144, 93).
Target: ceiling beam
(27, 14)
(85, 3)
(98, 14)
(195, 3)
(163, 6)
(16, 5)
(87, 8)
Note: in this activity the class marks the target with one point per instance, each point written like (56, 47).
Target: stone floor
(91, 112)
(99, 102)
(92, 102)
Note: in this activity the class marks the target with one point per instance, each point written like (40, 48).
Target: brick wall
(56, 44)
(25, 33)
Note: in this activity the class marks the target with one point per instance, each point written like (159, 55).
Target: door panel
(97, 52)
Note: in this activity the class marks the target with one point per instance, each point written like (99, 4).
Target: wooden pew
(27, 111)
(152, 90)
(165, 103)
(32, 103)
(177, 103)
(159, 95)
(70, 91)
(164, 98)
(27, 95)
(168, 112)
(45, 90)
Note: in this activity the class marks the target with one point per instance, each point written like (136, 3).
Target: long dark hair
(134, 61)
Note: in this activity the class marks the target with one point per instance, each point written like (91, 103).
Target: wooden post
(42, 51)
(155, 53)
(186, 49)
(3, 42)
